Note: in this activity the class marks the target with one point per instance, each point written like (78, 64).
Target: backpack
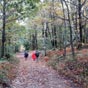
(37, 54)
(25, 54)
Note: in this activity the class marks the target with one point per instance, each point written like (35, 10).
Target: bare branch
(83, 3)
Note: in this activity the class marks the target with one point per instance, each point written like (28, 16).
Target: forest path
(32, 74)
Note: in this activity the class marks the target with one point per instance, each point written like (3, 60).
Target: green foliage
(47, 44)
(13, 60)
(26, 45)
(10, 49)
(17, 47)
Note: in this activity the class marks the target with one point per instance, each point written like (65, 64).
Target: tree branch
(83, 3)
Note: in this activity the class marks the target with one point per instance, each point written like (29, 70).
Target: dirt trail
(34, 74)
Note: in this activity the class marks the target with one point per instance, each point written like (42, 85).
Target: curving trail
(34, 74)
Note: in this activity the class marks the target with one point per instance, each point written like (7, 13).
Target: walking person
(26, 55)
(37, 53)
(33, 56)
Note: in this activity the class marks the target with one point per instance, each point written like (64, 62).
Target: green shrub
(26, 45)
(47, 44)
(17, 47)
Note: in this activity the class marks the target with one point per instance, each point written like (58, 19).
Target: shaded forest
(57, 28)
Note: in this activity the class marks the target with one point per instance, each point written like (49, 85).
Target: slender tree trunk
(43, 30)
(3, 31)
(69, 20)
(33, 42)
(64, 31)
(80, 21)
(76, 16)
(36, 39)
(54, 36)
(44, 36)
(47, 27)
(60, 37)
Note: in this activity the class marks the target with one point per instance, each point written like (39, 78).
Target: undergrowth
(74, 69)
(8, 70)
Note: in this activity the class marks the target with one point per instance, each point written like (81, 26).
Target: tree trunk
(3, 31)
(80, 22)
(43, 30)
(69, 20)
(36, 39)
(64, 38)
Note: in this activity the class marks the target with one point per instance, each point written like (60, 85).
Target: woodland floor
(32, 74)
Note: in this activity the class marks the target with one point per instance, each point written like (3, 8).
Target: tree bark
(64, 38)
(69, 20)
(3, 30)
(80, 20)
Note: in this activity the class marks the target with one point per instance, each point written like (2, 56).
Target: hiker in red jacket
(34, 56)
